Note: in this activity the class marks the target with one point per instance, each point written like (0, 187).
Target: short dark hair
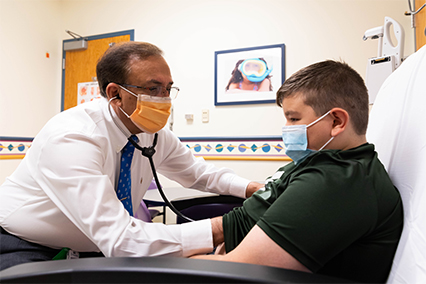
(330, 84)
(113, 66)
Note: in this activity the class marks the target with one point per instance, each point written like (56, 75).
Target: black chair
(206, 207)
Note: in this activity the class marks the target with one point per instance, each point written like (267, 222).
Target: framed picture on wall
(249, 75)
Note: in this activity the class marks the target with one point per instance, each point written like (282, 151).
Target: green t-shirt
(337, 212)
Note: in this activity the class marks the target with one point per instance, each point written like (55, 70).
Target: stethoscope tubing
(149, 152)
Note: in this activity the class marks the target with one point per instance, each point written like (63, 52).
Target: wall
(29, 81)
(189, 31)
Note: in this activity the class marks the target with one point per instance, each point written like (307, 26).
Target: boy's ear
(340, 120)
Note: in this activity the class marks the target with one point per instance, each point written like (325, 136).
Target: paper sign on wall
(87, 92)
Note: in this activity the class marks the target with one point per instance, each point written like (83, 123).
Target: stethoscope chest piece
(148, 152)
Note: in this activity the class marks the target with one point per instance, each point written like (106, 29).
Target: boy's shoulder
(360, 156)
(365, 151)
(330, 162)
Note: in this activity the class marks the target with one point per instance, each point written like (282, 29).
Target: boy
(333, 210)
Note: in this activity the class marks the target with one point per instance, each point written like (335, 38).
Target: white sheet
(398, 129)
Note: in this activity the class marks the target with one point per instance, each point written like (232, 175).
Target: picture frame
(233, 87)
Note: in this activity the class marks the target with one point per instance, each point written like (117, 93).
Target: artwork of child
(250, 74)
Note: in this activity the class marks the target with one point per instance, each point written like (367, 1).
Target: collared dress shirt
(63, 192)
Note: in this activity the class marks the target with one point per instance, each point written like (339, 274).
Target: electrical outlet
(205, 116)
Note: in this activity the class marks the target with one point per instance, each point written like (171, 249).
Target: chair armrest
(206, 207)
(222, 199)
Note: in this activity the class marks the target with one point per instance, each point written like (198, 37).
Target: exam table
(153, 270)
(398, 130)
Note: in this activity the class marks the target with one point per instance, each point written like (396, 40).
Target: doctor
(70, 190)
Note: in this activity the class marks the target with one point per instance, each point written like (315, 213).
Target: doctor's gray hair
(328, 84)
(114, 67)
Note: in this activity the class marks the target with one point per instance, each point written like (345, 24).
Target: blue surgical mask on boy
(295, 140)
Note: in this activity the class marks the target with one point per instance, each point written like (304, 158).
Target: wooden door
(420, 21)
(80, 66)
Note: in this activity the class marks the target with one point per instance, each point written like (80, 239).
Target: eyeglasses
(157, 91)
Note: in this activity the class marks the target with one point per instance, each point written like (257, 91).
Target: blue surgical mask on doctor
(295, 140)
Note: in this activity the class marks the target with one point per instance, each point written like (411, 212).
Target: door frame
(131, 33)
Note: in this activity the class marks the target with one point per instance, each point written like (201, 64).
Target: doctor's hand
(252, 187)
(217, 231)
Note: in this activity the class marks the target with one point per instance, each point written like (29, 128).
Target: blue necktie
(125, 180)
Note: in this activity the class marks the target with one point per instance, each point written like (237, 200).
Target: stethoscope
(149, 152)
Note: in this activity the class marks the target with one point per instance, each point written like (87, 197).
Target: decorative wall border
(264, 148)
(237, 148)
(14, 147)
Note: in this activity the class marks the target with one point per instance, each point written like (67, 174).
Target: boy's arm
(258, 248)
